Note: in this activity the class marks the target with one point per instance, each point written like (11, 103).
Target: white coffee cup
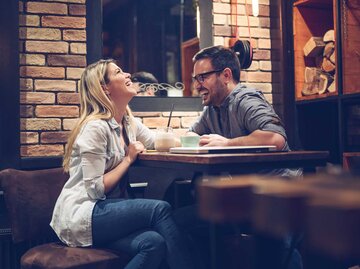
(164, 139)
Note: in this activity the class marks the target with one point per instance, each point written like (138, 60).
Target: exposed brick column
(52, 57)
(260, 73)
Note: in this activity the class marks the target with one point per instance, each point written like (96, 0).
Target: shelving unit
(329, 121)
(313, 3)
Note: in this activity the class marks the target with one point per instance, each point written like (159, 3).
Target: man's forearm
(259, 137)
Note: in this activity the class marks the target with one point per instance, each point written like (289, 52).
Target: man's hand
(190, 134)
(213, 140)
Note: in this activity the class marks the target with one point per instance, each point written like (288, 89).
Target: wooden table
(161, 169)
(241, 163)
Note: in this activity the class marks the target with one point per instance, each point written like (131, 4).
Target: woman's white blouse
(96, 151)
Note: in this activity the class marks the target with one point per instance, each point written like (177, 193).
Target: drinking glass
(164, 139)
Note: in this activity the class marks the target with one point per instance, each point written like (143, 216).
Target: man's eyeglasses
(201, 77)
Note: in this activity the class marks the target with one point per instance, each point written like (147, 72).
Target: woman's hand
(113, 177)
(133, 150)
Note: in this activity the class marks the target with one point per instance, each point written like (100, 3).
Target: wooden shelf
(327, 4)
(330, 97)
(309, 22)
(317, 97)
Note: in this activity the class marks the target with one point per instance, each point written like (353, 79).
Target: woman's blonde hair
(94, 103)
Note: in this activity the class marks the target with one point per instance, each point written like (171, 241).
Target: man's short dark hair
(221, 58)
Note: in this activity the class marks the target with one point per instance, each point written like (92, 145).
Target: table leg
(213, 246)
(159, 180)
(268, 252)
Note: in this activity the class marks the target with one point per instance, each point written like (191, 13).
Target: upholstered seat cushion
(57, 255)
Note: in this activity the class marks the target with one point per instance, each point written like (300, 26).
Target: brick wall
(180, 121)
(52, 40)
(261, 73)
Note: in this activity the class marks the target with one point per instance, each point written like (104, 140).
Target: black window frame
(10, 85)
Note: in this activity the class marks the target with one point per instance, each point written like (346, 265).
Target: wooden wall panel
(351, 46)
(188, 50)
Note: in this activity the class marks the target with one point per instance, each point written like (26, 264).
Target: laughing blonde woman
(100, 150)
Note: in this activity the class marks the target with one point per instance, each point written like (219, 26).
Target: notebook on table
(232, 149)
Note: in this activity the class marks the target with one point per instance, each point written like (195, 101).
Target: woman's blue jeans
(143, 228)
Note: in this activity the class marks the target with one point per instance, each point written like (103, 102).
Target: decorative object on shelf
(332, 87)
(329, 36)
(329, 55)
(329, 50)
(314, 46)
(316, 81)
(320, 79)
(327, 65)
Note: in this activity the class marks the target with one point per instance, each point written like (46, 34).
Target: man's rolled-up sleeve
(93, 145)
(200, 126)
(257, 114)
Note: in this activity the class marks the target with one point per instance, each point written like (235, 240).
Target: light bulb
(198, 21)
(255, 8)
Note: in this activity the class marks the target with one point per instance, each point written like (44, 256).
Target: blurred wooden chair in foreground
(351, 162)
(325, 207)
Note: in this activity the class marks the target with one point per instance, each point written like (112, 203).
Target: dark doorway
(9, 87)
